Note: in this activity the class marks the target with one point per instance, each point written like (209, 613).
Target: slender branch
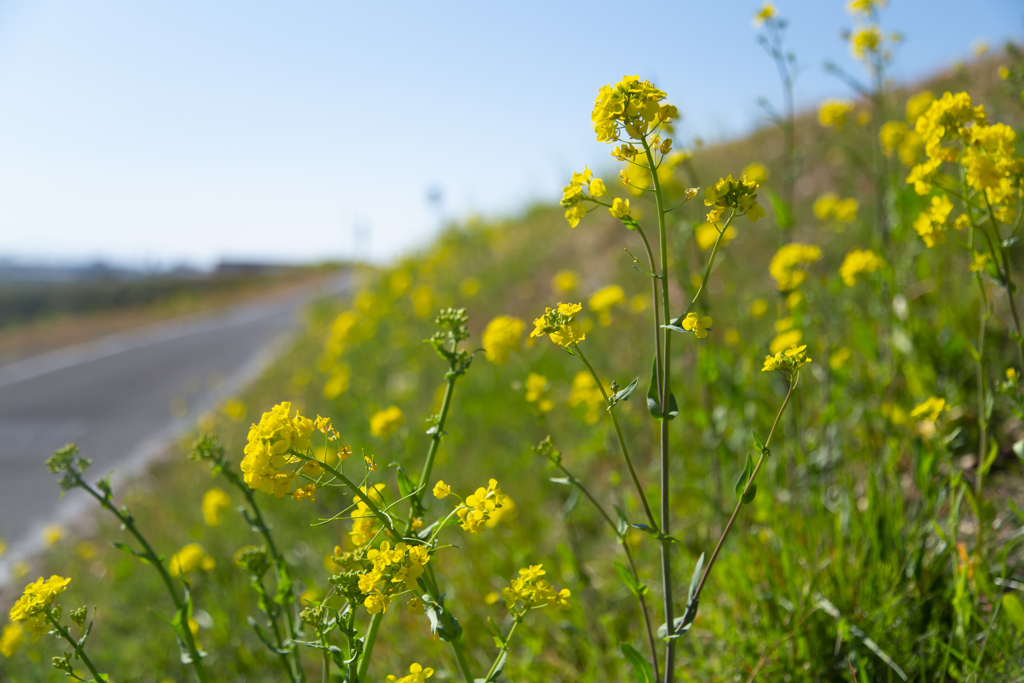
(79, 650)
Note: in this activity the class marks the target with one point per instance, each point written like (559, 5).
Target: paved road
(117, 398)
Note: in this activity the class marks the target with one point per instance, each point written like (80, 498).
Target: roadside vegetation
(767, 429)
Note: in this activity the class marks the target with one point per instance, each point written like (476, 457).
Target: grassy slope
(839, 513)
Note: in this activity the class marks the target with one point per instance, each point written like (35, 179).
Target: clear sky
(189, 130)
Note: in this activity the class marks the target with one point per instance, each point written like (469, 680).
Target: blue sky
(165, 131)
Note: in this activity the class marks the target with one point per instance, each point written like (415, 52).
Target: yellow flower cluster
(266, 453)
(537, 392)
(191, 558)
(560, 325)
(859, 261)
(833, 113)
(630, 104)
(531, 591)
(696, 324)
(866, 41)
(364, 523)
(501, 337)
(585, 392)
(482, 507)
(830, 207)
(11, 639)
(417, 674)
(931, 223)
(766, 13)
(565, 281)
(930, 409)
(573, 195)
(786, 268)
(34, 603)
(864, 7)
(604, 300)
(727, 193)
(394, 570)
(787, 361)
(215, 502)
(383, 423)
(338, 372)
(706, 235)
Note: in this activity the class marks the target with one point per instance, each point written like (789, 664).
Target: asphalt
(122, 399)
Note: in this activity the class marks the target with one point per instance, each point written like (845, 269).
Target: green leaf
(741, 483)
(673, 407)
(622, 523)
(645, 528)
(405, 485)
(695, 579)
(641, 667)
(442, 623)
(783, 216)
(561, 480)
(624, 394)
(635, 587)
(757, 441)
(653, 404)
(1014, 610)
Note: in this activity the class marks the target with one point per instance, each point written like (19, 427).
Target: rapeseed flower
(696, 324)
(481, 506)
(266, 453)
(857, 262)
(785, 340)
(864, 7)
(501, 337)
(766, 13)
(191, 558)
(383, 423)
(560, 325)
(11, 639)
(536, 392)
(364, 523)
(631, 105)
(565, 281)
(787, 361)
(417, 674)
(604, 300)
(756, 172)
(866, 41)
(441, 490)
(931, 223)
(786, 268)
(530, 590)
(930, 409)
(739, 195)
(34, 603)
(585, 392)
(215, 502)
(758, 307)
(833, 113)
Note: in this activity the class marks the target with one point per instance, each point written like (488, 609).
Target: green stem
(618, 434)
(157, 564)
(435, 443)
(368, 643)
(356, 491)
(665, 366)
(739, 503)
(79, 650)
(504, 646)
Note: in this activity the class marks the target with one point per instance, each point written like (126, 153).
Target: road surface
(122, 398)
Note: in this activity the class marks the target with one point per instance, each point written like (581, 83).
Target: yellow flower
(376, 602)
(481, 506)
(830, 206)
(785, 340)
(383, 423)
(864, 7)
(833, 113)
(597, 188)
(758, 307)
(979, 264)
(739, 195)
(891, 135)
(501, 337)
(794, 358)
(586, 393)
(930, 409)
(215, 502)
(766, 12)
(441, 489)
(560, 325)
(631, 105)
(918, 104)
(533, 591)
(839, 357)
(756, 172)
(865, 41)
(11, 639)
(564, 281)
(604, 300)
(53, 533)
(189, 559)
(785, 266)
(706, 235)
(536, 392)
(266, 453)
(859, 261)
(34, 603)
(699, 326)
(931, 223)
(619, 208)
(417, 674)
